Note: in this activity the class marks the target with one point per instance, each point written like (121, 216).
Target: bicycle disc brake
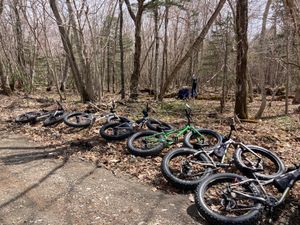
(227, 200)
(186, 168)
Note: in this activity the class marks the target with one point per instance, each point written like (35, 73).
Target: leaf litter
(280, 134)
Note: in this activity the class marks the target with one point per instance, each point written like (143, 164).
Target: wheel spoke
(222, 198)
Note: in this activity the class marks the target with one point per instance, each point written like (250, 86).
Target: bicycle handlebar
(146, 110)
(60, 107)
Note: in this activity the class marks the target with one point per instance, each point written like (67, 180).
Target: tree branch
(130, 10)
(191, 49)
(233, 12)
(290, 63)
(149, 3)
(1, 6)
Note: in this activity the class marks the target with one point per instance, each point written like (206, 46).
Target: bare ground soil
(278, 132)
(37, 188)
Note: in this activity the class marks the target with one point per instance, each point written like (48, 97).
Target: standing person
(194, 86)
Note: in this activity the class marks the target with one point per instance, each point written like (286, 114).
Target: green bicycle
(151, 143)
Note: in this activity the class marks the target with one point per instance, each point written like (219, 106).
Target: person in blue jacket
(194, 86)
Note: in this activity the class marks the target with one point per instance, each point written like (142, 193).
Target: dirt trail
(37, 188)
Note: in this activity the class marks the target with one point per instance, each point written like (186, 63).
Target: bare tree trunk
(121, 51)
(156, 52)
(287, 70)
(3, 78)
(190, 51)
(20, 42)
(225, 71)
(164, 71)
(189, 30)
(19, 36)
(64, 75)
(262, 61)
(295, 13)
(103, 72)
(296, 100)
(175, 41)
(288, 42)
(114, 56)
(241, 69)
(250, 87)
(84, 65)
(135, 76)
(150, 69)
(108, 66)
(4, 81)
(70, 54)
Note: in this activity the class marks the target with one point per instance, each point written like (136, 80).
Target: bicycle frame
(222, 164)
(265, 198)
(164, 135)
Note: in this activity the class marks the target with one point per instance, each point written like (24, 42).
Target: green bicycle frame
(163, 136)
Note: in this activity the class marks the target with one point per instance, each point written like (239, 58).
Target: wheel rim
(268, 164)
(117, 130)
(146, 142)
(221, 197)
(187, 169)
(79, 119)
(205, 142)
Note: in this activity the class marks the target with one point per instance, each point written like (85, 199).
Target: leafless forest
(87, 55)
(236, 49)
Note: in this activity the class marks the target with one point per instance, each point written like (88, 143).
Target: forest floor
(276, 131)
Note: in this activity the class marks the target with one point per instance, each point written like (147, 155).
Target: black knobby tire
(54, 119)
(145, 151)
(114, 119)
(27, 117)
(127, 131)
(158, 125)
(184, 180)
(88, 119)
(211, 139)
(268, 158)
(249, 218)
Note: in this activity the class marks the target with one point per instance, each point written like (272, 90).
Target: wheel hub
(228, 203)
(186, 168)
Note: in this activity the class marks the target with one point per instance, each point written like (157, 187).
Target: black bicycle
(48, 117)
(125, 127)
(79, 119)
(233, 199)
(185, 168)
(88, 117)
(112, 116)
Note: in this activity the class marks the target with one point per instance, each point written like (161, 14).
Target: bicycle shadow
(195, 215)
(289, 212)
(53, 151)
(64, 150)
